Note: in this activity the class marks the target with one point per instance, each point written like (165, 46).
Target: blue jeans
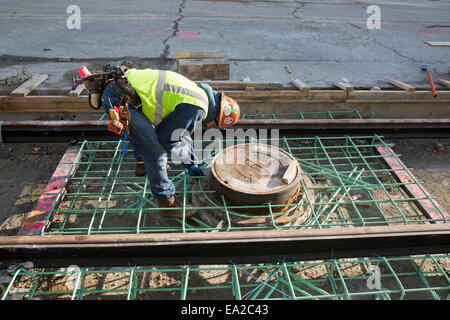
(152, 144)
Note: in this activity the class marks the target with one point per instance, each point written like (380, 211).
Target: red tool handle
(115, 126)
(433, 89)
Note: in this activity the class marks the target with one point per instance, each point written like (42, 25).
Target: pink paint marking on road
(37, 227)
(187, 36)
(52, 195)
(433, 34)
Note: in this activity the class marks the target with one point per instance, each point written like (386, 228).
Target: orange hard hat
(229, 111)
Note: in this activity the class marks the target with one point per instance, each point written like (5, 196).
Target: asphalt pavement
(320, 41)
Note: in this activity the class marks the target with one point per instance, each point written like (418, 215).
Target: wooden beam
(201, 55)
(344, 86)
(78, 90)
(288, 95)
(52, 195)
(428, 207)
(437, 43)
(444, 82)
(300, 85)
(29, 85)
(67, 104)
(399, 96)
(402, 85)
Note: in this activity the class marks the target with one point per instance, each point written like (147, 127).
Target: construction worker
(153, 105)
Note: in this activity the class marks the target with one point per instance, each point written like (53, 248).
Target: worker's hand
(195, 171)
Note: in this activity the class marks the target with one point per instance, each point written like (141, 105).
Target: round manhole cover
(252, 174)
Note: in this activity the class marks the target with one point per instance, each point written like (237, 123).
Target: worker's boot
(140, 170)
(174, 213)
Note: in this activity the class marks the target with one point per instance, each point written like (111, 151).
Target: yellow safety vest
(161, 91)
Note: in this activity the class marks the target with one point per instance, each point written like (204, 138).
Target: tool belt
(97, 82)
(120, 118)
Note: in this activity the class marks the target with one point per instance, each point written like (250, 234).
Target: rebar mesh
(380, 278)
(349, 180)
(335, 114)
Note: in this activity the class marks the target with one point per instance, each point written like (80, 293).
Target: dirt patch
(429, 163)
(25, 170)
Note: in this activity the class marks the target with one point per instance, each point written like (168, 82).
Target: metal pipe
(281, 235)
(21, 131)
(220, 247)
(335, 123)
(58, 125)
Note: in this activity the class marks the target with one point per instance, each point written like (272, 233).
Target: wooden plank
(202, 69)
(343, 86)
(288, 69)
(78, 90)
(29, 85)
(45, 104)
(437, 43)
(132, 239)
(241, 84)
(444, 82)
(200, 55)
(300, 85)
(53, 193)
(400, 96)
(429, 208)
(290, 173)
(402, 85)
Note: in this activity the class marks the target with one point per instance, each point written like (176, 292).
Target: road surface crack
(297, 9)
(382, 44)
(175, 30)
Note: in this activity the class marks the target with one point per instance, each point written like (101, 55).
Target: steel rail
(18, 131)
(221, 247)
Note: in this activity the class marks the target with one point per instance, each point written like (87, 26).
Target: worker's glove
(195, 171)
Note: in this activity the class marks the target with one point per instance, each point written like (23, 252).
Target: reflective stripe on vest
(176, 89)
(159, 96)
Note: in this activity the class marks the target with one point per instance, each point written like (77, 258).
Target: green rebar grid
(336, 114)
(350, 183)
(380, 278)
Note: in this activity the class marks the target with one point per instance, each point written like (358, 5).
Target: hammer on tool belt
(427, 69)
